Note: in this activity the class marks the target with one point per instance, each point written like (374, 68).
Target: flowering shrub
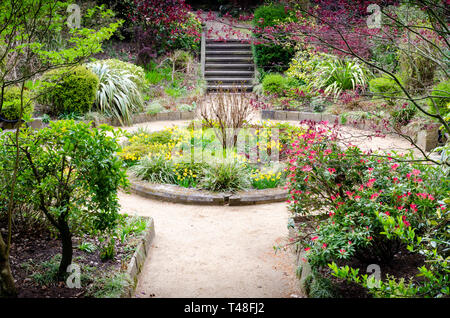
(369, 205)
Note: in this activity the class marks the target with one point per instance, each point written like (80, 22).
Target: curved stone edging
(177, 194)
(137, 261)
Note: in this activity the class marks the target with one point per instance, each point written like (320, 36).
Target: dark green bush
(269, 57)
(68, 90)
(11, 103)
(440, 98)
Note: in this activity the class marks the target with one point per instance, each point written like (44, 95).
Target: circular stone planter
(177, 194)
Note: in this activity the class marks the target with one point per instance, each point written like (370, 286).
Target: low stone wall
(177, 194)
(137, 261)
(426, 139)
(143, 118)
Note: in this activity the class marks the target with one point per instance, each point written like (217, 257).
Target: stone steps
(228, 64)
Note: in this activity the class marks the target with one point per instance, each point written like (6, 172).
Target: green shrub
(68, 90)
(440, 98)
(118, 95)
(273, 58)
(385, 87)
(269, 57)
(11, 103)
(274, 83)
(154, 108)
(269, 15)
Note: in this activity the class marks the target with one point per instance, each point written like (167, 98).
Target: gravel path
(206, 251)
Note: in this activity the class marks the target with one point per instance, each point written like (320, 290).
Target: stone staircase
(228, 64)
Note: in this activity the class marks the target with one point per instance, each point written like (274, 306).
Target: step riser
(227, 80)
(235, 47)
(229, 60)
(229, 67)
(228, 73)
(228, 53)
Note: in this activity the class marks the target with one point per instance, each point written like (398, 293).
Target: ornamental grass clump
(118, 95)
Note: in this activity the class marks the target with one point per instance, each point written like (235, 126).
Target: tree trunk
(66, 259)
(7, 286)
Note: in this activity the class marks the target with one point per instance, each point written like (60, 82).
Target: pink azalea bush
(369, 206)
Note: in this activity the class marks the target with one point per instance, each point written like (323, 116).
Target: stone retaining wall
(137, 261)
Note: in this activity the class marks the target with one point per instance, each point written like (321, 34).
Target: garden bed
(35, 259)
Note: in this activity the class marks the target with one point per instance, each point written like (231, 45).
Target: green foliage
(228, 174)
(131, 226)
(386, 87)
(303, 65)
(12, 103)
(270, 57)
(70, 173)
(137, 73)
(154, 108)
(402, 115)
(108, 251)
(417, 69)
(87, 247)
(274, 83)
(336, 75)
(155, 169)
(118, 95)
(46, 273)
(68, 90)
(440, 98)
(109, 286)
(269, 15)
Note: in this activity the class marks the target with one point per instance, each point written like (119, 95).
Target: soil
(404, 265)
(31, 246)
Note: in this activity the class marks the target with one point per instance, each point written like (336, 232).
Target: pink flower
(331, 170)
(324, 245)
(394, 166)
(307, 249)
(314, 238)
(307, 168)
(342, 251)
(416, 172)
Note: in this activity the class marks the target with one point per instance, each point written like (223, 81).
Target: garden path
(222, 251)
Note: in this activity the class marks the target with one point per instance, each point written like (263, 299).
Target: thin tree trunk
(7, 286)
(66, 259)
